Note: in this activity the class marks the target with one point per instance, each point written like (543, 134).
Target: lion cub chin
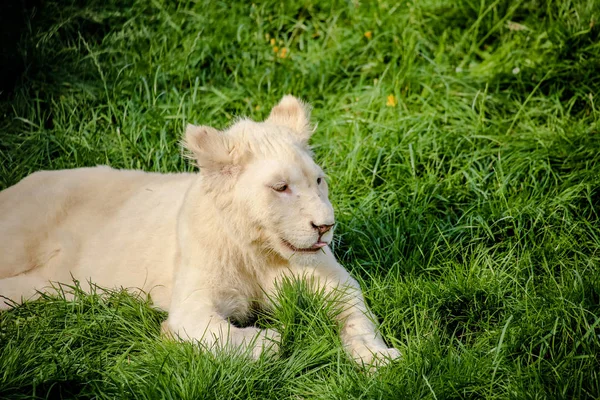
(206, 246)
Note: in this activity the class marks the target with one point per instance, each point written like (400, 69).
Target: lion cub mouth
(313, 249)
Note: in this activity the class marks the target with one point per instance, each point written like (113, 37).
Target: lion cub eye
(282, 187)
(319, 181)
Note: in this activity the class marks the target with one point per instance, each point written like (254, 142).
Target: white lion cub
(206, 246)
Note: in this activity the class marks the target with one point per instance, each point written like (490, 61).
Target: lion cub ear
(293, 114)
(210, 147)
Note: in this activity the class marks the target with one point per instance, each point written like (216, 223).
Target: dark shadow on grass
(13, 26)
(37, 38)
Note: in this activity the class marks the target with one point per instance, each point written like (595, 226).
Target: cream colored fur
(205, 246)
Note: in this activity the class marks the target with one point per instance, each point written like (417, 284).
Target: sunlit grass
(462, 146)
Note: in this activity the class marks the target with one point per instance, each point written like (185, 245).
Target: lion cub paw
(374, 356)
(261, 340)
(252, 341)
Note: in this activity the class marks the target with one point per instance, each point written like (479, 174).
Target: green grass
(468, 210)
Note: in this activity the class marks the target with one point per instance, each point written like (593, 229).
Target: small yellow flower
(391, 101)
(369, 35)
(283, 52)
(257, 108)
(275, 49)
(272, 42)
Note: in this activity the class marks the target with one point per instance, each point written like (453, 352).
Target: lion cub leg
(204, 324)
(358, 326)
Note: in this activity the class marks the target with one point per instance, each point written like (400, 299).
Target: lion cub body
(205, 246)
(116, 227)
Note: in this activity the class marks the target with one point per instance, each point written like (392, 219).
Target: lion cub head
(262, 178)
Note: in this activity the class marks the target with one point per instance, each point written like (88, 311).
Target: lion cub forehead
(246, 129)
(265, 140)
(296, 168)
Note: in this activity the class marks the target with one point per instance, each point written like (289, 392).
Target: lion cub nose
(321, 228)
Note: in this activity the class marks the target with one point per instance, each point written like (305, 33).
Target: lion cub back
(44, 215)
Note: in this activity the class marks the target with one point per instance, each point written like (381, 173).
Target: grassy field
(462, 143)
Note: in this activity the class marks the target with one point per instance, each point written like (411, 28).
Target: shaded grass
(467, 207)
